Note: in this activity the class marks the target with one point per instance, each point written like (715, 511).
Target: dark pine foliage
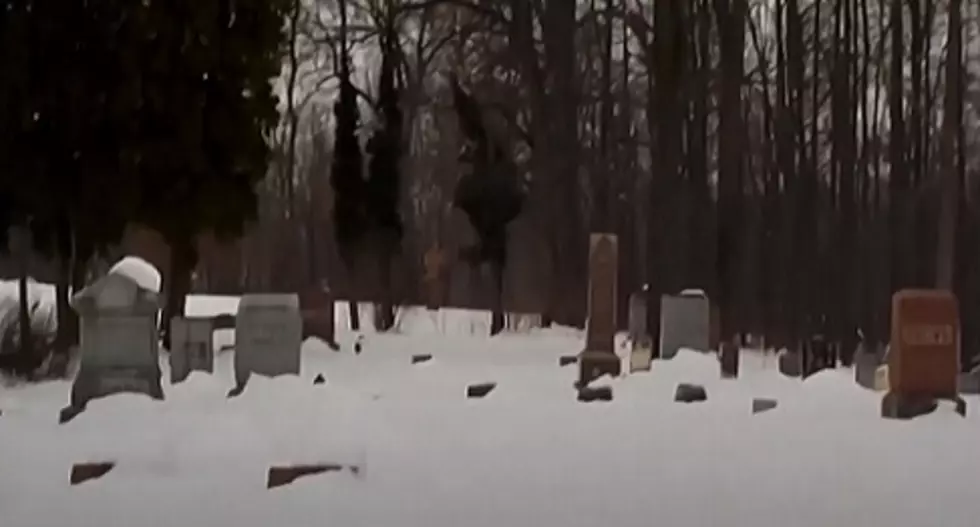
(489, 193)
(346, 174)
(385, 147)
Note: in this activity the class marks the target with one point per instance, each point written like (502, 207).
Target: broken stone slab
(319, 379)
(760, 405)
(82, 472)
(418, 359)
(566, 360)
(690, 393)
(897, 405)
(477, 391)
(279, 476)
(590, 394)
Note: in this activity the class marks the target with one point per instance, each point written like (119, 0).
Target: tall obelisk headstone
(599, 356)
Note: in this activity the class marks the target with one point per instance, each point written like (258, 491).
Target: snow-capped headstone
(599, 357)
(119, 346)
(192, 348)
(685, 322)
(641, 345)
(268, 336)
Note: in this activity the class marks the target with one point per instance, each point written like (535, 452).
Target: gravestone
(435, 290)
(192, 348)
(268, 336)
(729, 358)
(924, 358)
(119, 345)
(599, 357)
(641, 345)
(319, 315)
(685, 322)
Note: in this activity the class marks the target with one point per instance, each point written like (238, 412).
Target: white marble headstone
(191, 347)
(685, 322)
(268, 336)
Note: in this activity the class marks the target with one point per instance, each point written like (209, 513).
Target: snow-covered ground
(526, 455)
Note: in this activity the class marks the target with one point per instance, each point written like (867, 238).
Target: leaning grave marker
(119, 345)
(268, 336)
(599, 356)
(192, 348)
(685, 322)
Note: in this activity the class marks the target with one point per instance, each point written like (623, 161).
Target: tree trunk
(23, 244)
(949, 211)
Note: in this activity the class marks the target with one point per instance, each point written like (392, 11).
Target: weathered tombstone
(924, 354)
(192, 348)
(599, 357)
(641, 351)
(268, 336)
(685, 322)
(729, 358)
(119, 345)
(319, 315)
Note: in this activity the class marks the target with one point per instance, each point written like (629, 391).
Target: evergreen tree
(209, 109)
(489, 193)
(347, 172)
(384, 170)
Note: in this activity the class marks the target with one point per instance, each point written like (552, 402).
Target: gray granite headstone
(268, 336)
(866, 363)
(119, 346)
(685, 322)
(192, 348)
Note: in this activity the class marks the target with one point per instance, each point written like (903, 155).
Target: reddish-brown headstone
(317, 308)
(924, 359)
(603, 265)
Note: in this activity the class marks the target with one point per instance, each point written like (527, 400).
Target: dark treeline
(799, 160)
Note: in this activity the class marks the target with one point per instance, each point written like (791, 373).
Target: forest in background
(799, 160)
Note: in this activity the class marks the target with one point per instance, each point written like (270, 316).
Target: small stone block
(690, 393)
(477, 391)
(763, 405)
(418, 359)
(284, 475)
(82, 472)
(600, 393)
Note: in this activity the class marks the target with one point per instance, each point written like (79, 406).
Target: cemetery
(284, 402)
